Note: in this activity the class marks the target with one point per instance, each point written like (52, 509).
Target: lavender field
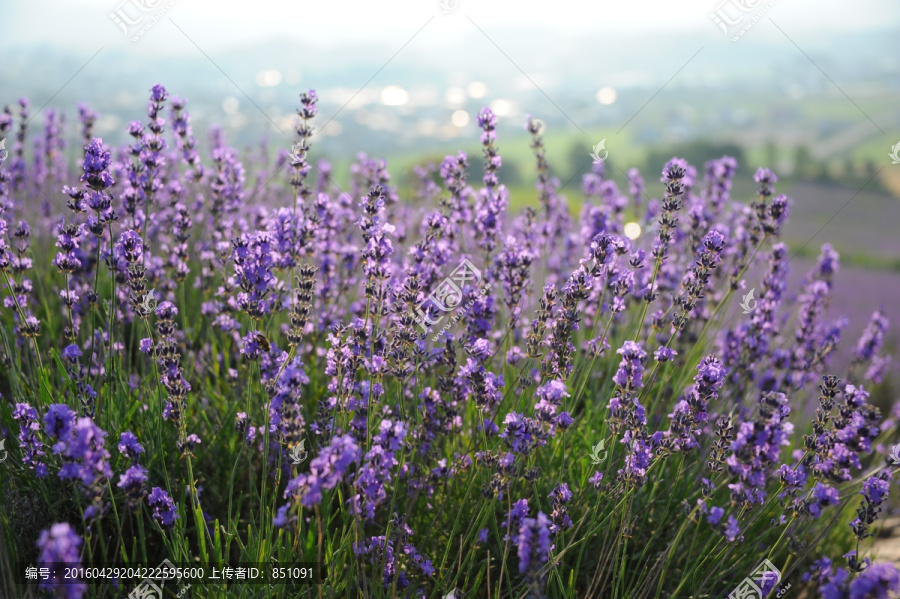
(466, 300)
(421, 396)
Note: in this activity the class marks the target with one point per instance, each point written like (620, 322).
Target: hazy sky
(530, 54)
(86, 23)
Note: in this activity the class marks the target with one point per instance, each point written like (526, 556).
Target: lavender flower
(168, 356)
(560, 496)
(133, 483)
(631, 368)
(822, 496)
(877, 581)
(130, 249)
(673, 176)
(625, 409)
(664, 354)
(534, 547)
(58, 423)
(375, 471)
(381, 551)
(757, 446)
(872, 338)
(697, 280)
(96, 166)
(550, 397)
(522, 434)
(492, 200)
(129, 446)
(690, 412)
(188, 444)
(164, 510)
(27, 417)
(82, 446)
(59, 547)
(326, 471)
(376, 232)
(513, 263)
(253, 262)
(299, 151)
(514, 519)
(484, 386)
(874, 491)
(732, 530)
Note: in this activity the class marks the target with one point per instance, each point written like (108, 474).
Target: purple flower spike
(164, 510)
(534, 545)
(631, 367)
(326, 471)
(96, 166)
(61, 546)
(133, 482)
(58, 423)
(27, 417)
(129, 446)
(158, 93)
(879, 581)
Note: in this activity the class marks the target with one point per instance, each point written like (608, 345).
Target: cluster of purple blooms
(309, 316)
(81, 444)
(133, 481)
(875, 581)
(60, 545)
(27, 417)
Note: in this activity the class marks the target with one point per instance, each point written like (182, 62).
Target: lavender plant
(447, 365)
